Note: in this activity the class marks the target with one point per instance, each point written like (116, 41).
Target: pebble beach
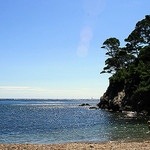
(80, 146)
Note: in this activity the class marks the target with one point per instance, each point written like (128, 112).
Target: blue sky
(51, 48)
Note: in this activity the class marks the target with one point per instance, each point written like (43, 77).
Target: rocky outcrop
(93, 107)
(120, 99)
(85, 104)
(114, 104)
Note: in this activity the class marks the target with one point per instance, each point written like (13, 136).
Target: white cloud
(86, 35)
(92, 9)
(13, 88)
(28, 89)
(36, 92)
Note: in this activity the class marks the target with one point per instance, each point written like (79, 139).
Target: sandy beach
(80, 146)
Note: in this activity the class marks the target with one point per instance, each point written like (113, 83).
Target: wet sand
(80, 146)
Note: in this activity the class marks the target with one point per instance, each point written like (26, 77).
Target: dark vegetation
(130, 69)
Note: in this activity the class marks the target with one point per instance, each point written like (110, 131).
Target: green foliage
(112, 46)
(130, 65)
(139, 37)
(138, 42)
(119, 77)
(145, 54)
(141, 96)
(118, 57)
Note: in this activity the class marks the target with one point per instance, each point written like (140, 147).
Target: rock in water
(84, 104)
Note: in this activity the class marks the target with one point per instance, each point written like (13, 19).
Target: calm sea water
(61, 121)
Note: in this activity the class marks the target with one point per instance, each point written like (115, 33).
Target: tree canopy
(130, 65)
(139, 37)
(121, 57)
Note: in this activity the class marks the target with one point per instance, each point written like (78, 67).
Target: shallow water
(61, 121)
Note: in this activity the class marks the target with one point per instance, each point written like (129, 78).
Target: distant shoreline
(77, 146)
(46, 99)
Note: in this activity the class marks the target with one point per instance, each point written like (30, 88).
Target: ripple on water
(64, 121)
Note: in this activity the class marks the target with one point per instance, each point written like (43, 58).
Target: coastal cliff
(129, 86)
(118, 99)
(129, 89)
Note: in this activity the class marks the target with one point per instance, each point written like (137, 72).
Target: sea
(51, 121)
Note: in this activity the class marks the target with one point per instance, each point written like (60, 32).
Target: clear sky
(51, 48)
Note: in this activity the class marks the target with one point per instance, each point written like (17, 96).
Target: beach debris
(91, 146)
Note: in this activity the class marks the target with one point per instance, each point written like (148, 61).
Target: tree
(139, 37)
(112, 46)
(130, 66)
(118, 57)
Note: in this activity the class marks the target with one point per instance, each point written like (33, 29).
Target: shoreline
(78, 146)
